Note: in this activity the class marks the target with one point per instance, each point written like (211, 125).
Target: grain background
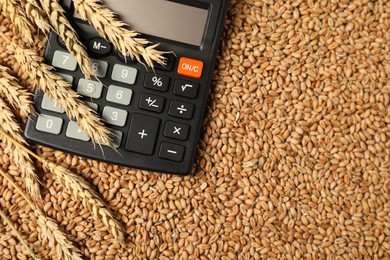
(293, 162)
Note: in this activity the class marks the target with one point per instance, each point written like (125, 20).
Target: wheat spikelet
(16, 95)
(110, 28)
(18, 235)
(61, 91)
(50, 230)
(33, 11)
(13, 11)
(81, 190)
(19, 156)
(64, 29)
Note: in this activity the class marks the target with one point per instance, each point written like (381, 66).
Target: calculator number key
(171, 152)
(181, 109)
(74, 131)
(64, 60)
(99, 67)
(142, 134)
(50, 104)
(152, 103)
(119, 95)
(49, 124)
(156, 82)
(90, 88)
(114, 116)
(124, 74)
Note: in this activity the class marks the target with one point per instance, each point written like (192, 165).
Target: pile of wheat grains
(293, 160)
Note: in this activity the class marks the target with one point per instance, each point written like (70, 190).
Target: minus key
(173, 152)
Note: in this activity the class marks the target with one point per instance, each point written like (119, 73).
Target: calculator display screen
(165, 19)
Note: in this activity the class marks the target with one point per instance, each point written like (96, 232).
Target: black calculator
(155, 115)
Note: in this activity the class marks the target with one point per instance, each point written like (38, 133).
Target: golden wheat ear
(49, 229)
(109, 27)
(64, 29)
(13, 10)
(21, 159)
(35, 15)
(17, 96)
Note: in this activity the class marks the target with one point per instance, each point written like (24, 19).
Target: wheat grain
(81, 190)
(60, 91)
(64, 29)
(50, 230)
(34, 13)
(18, 235)
(20, 158)
(110, 28)
(12, 9)
(16, 95)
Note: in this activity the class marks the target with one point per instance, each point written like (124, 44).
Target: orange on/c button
(190, 68)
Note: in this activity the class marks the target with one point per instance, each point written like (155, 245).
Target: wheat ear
(19, 156)
(16, 95)
(16, 14)
(50, 230)
(34, 13)
(61, 91)
(64, 29)
(80, 189)
(109, 27)
(18, 235)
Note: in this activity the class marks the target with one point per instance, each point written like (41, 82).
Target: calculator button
(90, 88)
(116, 137)
(61, 42)
(185, 88)
(114, 116)
(99, 67)
(74, 131)
(64, 60)
(49, 124)
(152, 103)
(66, 77)
(125, 59)
(50, 104)
(168, 62)
(171, 152)
(142, 134)
(119, 95)
(190, 68)
(93, 106)
(181, 109)
(124, 74)
(99, 46)
(176, 130)
(156, 82)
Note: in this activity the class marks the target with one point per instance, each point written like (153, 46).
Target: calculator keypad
(150, 113)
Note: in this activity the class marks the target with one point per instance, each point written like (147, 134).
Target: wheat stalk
(16, 14)
(109, 27)
(20, 157)
(33, 11)
(50, 230)
(16, 95)
(64, 29)
(60, 90)
(80, 189)
(18, 235)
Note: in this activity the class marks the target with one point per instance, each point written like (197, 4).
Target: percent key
(156, 82)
